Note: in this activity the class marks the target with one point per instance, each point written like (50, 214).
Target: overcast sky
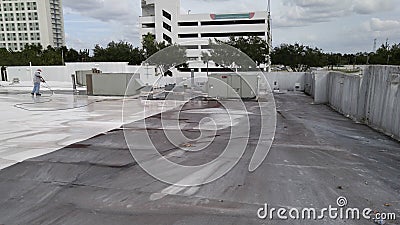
(345, 26)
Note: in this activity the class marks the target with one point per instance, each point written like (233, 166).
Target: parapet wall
(372, 98)
(344, 94)
(63, 73)
(286, 81)
(380, 98)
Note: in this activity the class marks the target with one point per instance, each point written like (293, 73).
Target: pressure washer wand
(48, 86)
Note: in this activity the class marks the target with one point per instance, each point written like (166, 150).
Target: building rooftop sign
(232, 16)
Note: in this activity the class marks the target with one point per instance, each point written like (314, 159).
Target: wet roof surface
(33, 126)
(317, 156)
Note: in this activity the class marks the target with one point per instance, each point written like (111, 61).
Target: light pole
(355, 62)
(207, 68)
(30, 69)
(62, 57)
(269, 36)
(192, 83)
(206, 62)
(388, 59)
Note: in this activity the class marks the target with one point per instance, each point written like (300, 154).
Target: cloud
(316, 4)
(118, 20)
(105, 10)
(372, 6)
(295, 13)
(75, 42)
(222, 6)
(377, 24)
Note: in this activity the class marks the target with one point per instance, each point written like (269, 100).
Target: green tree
(99, 54)
(289, 56)
(228, 56)
(301, 58)
(136, 57)
(118, 52)
(70, 55)
(30, 54)
(84, 55)
(380, 56)
(150, 46)
(360, 58)
(395, 55)
(334, 59)
(52, 56)
(386, 55)
(173, 56)
(255, 47)
(5, 57)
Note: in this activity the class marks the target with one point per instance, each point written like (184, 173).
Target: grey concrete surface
(317, 156)
(30, 127)
(372, 98)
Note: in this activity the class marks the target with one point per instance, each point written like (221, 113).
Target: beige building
(165, 21)
(31, 22)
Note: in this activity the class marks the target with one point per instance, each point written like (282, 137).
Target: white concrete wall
(373, 98)
(50, 73)
(380, 98)
(316, 84)
(63, 73)
(344, 94)
(286, 81)
(319, 87)
(309, 84)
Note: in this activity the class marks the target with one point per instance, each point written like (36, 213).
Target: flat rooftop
(32, 127)
(317, 156)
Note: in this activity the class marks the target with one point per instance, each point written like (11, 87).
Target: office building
(163, 19)
(31, 22)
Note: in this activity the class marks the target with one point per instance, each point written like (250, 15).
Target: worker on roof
(37, 78)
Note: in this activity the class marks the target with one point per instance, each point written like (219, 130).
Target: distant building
(164, 20)
(31, 22)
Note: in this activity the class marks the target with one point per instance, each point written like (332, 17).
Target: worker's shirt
(36, 77)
